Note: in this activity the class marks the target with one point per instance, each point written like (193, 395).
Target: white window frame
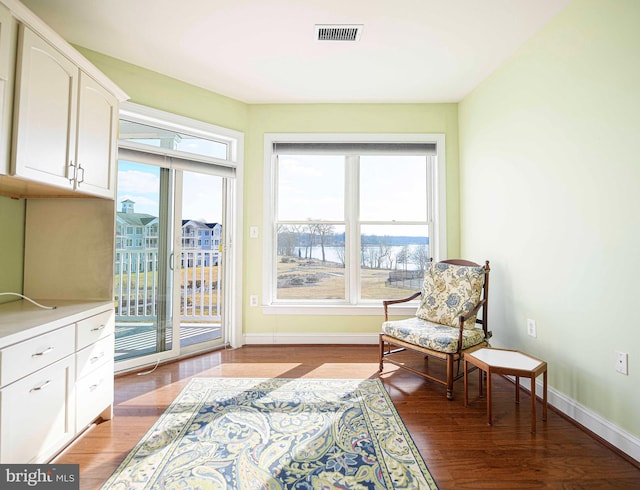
(437, 192)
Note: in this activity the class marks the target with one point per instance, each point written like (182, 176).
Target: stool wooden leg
(517, 389)
(466, 383)
(533, 404)
(489, 397)
(544, 396)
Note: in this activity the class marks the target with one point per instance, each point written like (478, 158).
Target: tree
(420, 257)
(323, 231)
(402, 257)
(311, 232)
(288, 238)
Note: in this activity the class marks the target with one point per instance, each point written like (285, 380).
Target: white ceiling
(263, 51)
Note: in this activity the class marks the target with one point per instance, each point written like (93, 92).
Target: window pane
(142, 306)
(201, 258)
(311, 188)
(392, 260)
(311, 262)
(393, 188)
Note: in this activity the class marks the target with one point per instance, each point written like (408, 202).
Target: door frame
(232, 319)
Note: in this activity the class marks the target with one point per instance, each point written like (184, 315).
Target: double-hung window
(350, 219)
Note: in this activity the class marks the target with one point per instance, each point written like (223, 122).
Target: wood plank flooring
(460, 449)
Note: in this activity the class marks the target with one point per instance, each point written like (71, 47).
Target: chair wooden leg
(449, 377)
(381, 353)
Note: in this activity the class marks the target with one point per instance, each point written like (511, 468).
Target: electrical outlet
(621, 362)
(254, 232)
(531, 327)
(253, 300)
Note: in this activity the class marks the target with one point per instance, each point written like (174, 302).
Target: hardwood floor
(460, 449)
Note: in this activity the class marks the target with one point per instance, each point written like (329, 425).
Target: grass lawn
(304, 278)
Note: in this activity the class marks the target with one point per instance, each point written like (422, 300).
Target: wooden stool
(508, 362)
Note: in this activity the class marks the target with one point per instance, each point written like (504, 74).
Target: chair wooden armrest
(388, 302)
(473, 312)
(463, 318)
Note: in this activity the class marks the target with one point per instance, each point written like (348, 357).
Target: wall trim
(310, 338)
(587, 418)
(583, 416)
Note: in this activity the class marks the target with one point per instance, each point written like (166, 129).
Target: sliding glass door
(169, 262)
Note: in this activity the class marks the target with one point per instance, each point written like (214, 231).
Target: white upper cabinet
(8, 29)
(45, 113)
(96, 140)
(65, 122)
(65, 113)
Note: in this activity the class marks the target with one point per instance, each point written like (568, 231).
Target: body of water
(336, 254)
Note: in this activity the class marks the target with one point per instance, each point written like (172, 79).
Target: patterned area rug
(247, 433)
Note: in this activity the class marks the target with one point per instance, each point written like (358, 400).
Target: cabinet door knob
(80, 178)
(41, 387)
(94, 386)
(71, 171)
(96, 358)
(44, 352)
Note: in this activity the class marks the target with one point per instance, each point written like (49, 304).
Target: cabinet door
(45, 119)
(37, 414)
(96, 142)
(94, 393)
(8, 29)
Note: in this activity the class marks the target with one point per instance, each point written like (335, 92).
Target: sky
(314, 187)
(202, 194)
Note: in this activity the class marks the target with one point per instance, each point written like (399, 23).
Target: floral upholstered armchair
(453, 302)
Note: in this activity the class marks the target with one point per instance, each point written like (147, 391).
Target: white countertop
(21, 320)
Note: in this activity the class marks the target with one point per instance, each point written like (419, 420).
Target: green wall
(168, 94)
(549, 190)
(11, 246)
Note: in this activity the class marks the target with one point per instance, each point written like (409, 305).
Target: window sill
(337, 310)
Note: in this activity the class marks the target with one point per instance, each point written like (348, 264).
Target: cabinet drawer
(94, 393)
(95, 328)
(38, 414)
(24, 358)
(94, 356)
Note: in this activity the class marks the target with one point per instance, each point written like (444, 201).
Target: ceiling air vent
(338, 32)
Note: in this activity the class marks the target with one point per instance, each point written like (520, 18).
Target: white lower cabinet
(38, 414)
(56, 377)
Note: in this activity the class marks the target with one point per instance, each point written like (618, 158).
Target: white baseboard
(311, 338)
(614, 435)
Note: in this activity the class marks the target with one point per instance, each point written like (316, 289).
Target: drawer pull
(41, 387)
(48, 350)
(96, 358)
(93, 387)
(97, 329)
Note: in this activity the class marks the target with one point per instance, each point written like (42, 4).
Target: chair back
(481, 318)
(453, 288)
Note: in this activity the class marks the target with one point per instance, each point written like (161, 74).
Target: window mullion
(352, 198)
